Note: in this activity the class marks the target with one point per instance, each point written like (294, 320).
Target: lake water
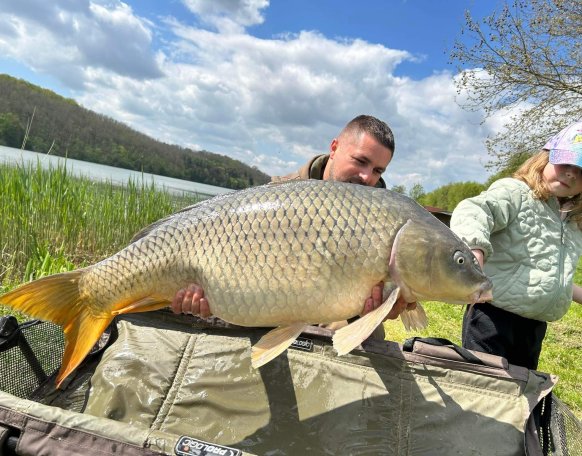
(118, 176)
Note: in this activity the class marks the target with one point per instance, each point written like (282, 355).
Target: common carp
(281, 255)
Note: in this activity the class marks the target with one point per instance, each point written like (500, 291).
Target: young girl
(526, 233)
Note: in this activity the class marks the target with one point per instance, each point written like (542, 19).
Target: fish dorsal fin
(148, 229)
(275, 342)
(352, 335)
(414, 320)
(277, 181)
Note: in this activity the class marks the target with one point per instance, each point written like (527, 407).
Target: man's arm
(577, 294)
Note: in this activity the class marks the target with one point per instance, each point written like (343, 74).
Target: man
(359, 155)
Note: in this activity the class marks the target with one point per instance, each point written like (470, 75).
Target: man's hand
(375, 300)
(191, 300)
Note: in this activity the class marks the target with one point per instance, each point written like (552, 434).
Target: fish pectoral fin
(146, 304)
(80, 336)
(275, 342)
(352, 335)
(414, 319)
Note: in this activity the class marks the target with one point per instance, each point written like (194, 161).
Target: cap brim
(566, 157)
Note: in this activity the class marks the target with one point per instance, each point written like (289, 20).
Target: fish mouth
(483, 294)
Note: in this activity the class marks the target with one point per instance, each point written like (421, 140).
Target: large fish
(281, 255)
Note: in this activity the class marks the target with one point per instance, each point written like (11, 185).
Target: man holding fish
(283, 256)
(359, 155)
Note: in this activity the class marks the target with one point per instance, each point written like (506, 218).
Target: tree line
(448, 196)
(38, 119)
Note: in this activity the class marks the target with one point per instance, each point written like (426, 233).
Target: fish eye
(459, 257)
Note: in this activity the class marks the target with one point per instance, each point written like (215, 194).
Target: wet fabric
(168, 374)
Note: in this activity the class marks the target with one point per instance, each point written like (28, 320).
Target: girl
(526, 232)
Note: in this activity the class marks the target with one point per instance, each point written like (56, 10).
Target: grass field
(51, 222)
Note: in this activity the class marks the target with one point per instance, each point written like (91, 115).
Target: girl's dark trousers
(489, 329)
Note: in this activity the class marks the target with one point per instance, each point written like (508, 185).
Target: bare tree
(525, 60)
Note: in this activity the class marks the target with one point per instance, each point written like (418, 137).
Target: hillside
(67, 129)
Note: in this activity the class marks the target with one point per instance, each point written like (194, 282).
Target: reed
(51, 221)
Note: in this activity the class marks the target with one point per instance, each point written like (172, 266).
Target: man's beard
(351, 180)
(356, 180)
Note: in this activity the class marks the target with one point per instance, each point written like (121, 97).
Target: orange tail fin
(56, 298)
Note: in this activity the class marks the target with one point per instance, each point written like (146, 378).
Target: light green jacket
(531, 254)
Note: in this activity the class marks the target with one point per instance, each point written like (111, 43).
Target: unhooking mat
(166, 378)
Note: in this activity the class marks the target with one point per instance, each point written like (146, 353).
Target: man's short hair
(373, 126)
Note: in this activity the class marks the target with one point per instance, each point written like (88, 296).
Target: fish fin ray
(80, 336)
(146, 304)
(274, 343)
(53, 298)
(414, 319)
(155, 225)
(57, 298)
(352, 335)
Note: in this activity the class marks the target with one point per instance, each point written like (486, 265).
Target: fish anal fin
(352, 335)
(414, 319)
(80, 336)
(274, 343)
(146, 304)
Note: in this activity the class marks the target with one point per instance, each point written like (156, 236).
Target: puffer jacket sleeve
(475, 219)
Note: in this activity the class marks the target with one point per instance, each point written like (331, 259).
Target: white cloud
(272, 103)
(228, 16)
(68, 38)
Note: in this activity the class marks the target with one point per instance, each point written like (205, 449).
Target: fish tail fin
(414, 319)
(80, 336)
(352, 335)
(274, 343)
(56, 298)
(50, 298)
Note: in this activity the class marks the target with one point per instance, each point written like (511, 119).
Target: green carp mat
(169, 384)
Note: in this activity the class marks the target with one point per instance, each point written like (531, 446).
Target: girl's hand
(479, 255)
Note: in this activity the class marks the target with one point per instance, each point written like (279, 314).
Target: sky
(269, 83)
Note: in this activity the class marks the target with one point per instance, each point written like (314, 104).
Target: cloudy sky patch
(208, 75)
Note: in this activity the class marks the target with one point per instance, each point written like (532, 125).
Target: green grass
(51, 222)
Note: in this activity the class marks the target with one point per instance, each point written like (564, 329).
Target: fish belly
(273, 259)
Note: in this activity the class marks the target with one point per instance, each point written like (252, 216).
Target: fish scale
(283, 255)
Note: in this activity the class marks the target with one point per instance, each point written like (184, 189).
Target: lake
(118, 176)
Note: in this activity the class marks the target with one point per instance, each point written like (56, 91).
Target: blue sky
(267, 83)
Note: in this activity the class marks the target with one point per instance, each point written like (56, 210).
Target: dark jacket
(314, 169)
